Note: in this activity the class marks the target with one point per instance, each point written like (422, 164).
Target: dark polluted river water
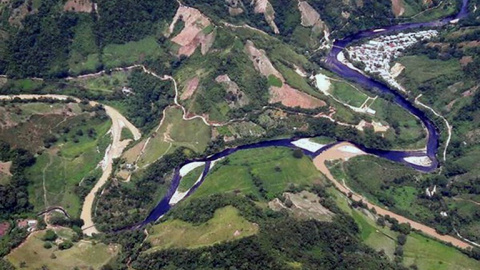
(345, 72)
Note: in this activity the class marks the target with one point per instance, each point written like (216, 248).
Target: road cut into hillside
(345, 151)
(113, 151)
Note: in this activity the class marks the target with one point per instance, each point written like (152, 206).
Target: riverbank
(338, 152)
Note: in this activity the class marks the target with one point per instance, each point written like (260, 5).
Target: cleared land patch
(115, 55)
(226, 225)
(188, 180)
(265, 172)
(429, 254)
(193, 134)
(82, 254)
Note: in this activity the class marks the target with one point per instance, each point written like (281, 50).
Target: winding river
(345, 72)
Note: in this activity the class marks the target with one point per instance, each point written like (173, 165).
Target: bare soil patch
(190, 88)
(469, 44)
(192, 35)
(309, 15)
(264, 7)
(303, 205)
(261, 61)
(131, 154)
(466, 60)
(4, 228)
(5, 168)
(79, 6)
(291, 97)
(285, 94)
(398, 7)
(235, 97)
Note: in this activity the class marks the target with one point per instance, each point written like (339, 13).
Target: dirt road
(113, 151)
(345, 151)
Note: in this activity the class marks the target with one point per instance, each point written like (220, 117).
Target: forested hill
(51, 35)
(78, 33)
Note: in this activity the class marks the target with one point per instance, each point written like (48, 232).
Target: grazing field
(429, 254)
(59, 169)
(226, 225)
(405, 131)
(419, 69)
(419, 12)
(348, 94)
(131, 53)
(104, 84)
(263, 172)
(188, 180)
(373, 235)
(82, 255)
(384, 183)
(84, 56)
(175, 132)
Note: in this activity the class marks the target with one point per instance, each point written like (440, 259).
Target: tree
(298, 153)
(50, 236)
(401, 239)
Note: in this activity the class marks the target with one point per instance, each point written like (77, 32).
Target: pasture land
(226, 225)
(265, 172)
(82, 254)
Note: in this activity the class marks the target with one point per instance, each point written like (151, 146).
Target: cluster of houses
(377, 53)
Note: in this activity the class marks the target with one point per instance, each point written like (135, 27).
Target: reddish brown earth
(291, 97)
(190, 88)
(78, 6)
(192, 35)
(286, 94)
(469, 44)
(5, 167)
(466, 60)
(398, 7)
(4, 228)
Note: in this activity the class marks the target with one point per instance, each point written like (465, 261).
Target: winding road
(331, 152)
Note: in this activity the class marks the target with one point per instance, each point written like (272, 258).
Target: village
(377, 53)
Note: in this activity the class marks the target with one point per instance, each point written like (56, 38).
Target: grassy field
(295, 80)
(425, 253)
(188, 180)
(406, 131)
(105, 84)
(4, 179)
(130, 53)
(83, 254)
(419, 69)
(226, 225)
(65, 164)
(274, 81)
(176, 132)
(274, 167)
(373, 235)
(126, 134)
(84, 56)
(348, 94)
(413, 7)
(375, 179)
(432, 255)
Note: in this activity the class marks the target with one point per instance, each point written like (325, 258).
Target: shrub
(50, 236)
(298, 153)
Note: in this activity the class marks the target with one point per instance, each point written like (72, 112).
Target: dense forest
(124, 204)
(14, 196)
(117, 22)
(282, 240)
